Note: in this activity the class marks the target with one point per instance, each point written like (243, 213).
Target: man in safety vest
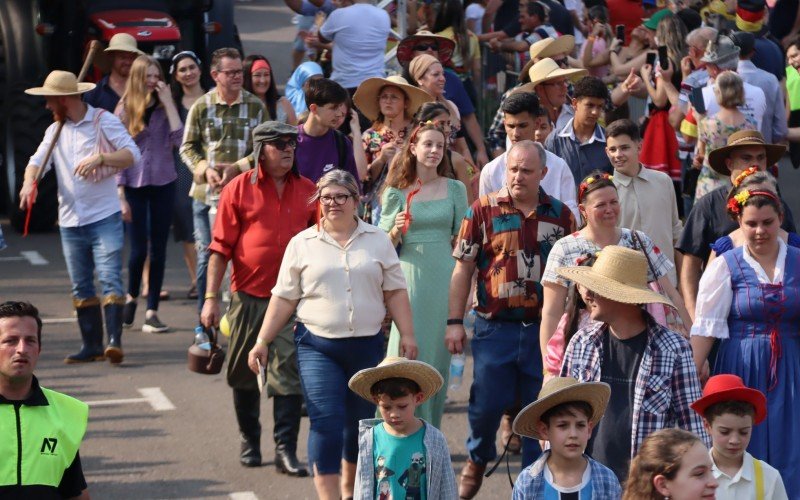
(41, 429)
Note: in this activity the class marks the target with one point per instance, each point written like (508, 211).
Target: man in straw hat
(246, 235)
(506, 236)
(565, 414)
(411, 455)
(121, 52)
(550, 82)
(649, 368)
(709, 219)
(89, 214)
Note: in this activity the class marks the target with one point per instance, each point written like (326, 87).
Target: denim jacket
(438, 469)
(530, 483)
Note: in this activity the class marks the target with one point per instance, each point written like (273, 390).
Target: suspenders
(758, 472)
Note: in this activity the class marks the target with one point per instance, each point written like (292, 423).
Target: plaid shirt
(665, 386)
(510, 251)
(219, 133)
(530, 483)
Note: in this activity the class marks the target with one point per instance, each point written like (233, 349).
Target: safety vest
(39, 443)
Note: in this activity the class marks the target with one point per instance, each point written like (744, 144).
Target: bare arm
(461, 169)
(555, 296)
(691, 269)
(210, 315)
(279, 312)
(701, 346)
(400, 309)
(470, 123)
(676, 299)
(456, 336)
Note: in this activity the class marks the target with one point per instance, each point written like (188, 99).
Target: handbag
(663, 314)
(102, 146)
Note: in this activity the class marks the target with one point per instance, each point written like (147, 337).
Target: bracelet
(455, 321)
(259, 340)
(210, 295)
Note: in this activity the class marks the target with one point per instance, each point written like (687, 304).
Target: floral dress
(715, 135)
(372, 141)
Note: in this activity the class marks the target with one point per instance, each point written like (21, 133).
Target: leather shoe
(286, 462)
(514, 443)
(471, 480)
(250, 455)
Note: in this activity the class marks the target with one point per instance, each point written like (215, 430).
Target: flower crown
(745, 174)
(589, 181)
(737, 202)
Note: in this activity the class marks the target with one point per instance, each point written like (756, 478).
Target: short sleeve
(392, 203)
(696, 236)
(289, 283)
(470, 234)
(459, 197)
(557, 258)
(393, 277)
(330, 26)
(714, 298)
(722, 245)
(72, 482)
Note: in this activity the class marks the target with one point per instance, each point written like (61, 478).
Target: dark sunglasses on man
(280, 145)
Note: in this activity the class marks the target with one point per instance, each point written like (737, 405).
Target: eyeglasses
(422, 47)
(281, 145)
(337, 199)
(231, 73)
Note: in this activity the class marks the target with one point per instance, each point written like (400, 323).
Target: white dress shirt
(742, 485)
(755, 103)
(82, 201)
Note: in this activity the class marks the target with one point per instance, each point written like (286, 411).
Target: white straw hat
(123, 42)
(426, 376)
(366, 96)
(61, 83)
(548, 69)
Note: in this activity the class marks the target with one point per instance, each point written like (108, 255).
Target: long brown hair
(137, 98)
(403, 170)
(660, 454)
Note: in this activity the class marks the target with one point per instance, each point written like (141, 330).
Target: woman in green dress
(421, 176)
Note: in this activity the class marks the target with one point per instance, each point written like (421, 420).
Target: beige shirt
(647, 204)
(340, 289)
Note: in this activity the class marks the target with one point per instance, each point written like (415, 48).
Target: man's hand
(481, 159)
(455, 338)
(88, 164)
(210, 314)
(27, 195)
(632, 83)
(229, 171)
(258, 352)
(213, 178)
(686, 66)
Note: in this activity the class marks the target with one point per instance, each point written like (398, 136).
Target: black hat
(745, 41)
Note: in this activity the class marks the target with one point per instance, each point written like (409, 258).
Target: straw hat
(548, 69)
(366, 96)
(61, 83)
(123, 42)
(548, 47)
(731, 388)
(423, 374)
(560, 390)
(619, 274)
(743, 138)
(405, 49)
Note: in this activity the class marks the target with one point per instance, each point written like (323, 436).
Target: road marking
(10, 259)
(34, 257)
(152, 396)
(243, 495)
(56, 321)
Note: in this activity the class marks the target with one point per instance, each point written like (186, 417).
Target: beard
(59, 112)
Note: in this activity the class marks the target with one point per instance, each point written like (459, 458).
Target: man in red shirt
(258, 214)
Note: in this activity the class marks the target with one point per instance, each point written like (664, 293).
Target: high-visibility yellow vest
(40, 442)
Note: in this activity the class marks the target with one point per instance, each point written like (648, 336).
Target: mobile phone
(696, 98)
(651, 58)
(663, 57)
(621, 33)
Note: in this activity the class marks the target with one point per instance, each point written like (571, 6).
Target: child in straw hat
(400, 455)
(565, 414)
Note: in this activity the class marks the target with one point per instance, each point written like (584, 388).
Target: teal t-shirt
(399, 465)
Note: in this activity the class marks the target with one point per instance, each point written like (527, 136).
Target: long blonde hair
(137, 98)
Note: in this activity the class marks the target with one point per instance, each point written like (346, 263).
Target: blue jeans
(507, 365)
(151, 216)
(326, 366)
(94, 246)
(202, 238)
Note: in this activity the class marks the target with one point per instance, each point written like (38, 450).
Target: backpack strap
(758, 472)
(341, 149)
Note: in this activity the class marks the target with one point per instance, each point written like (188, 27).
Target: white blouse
(715, 293)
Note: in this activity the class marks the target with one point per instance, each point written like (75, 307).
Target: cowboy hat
(123, 42)
(727, 387)
(61, 83)
(405, 49)
(548, 47)
(618, 274)
(548, 69)
(366, 96)
(743, 138)
(560, 390)
(426, 376)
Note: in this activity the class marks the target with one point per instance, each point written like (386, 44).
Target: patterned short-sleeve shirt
(510, 250)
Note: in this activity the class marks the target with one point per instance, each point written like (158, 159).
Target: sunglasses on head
(280, 145)
(422, 47)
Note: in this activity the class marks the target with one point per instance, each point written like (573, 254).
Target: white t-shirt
(755, 102)
(359, 34)
(475, 12)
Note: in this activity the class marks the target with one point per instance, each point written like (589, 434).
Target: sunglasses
(422, 47)
(281, 145)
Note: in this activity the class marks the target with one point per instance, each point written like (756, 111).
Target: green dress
(427, 263)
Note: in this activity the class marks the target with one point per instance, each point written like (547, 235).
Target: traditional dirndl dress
(763, 348)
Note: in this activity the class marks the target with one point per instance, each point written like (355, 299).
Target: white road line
(243, 495)
(34, 257)
(56, 321)
(115, 402)
(152, 396)
(10, 259)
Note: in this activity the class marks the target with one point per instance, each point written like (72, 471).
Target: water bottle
(469, 322)
(457, 370)
(201, 338)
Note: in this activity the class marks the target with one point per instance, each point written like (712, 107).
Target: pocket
(300, 333)
(484, 329)
(657, 395)
(212, 129)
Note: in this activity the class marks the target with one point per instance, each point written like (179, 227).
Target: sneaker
(128, 313)
(153, 325)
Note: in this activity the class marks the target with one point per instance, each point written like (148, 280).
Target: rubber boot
(113, 309)
(246, 403)
(90, 322)
(286, 411)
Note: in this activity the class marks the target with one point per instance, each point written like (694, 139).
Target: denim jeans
(202, 238)
(507, 364)
(326, 366)
(94, 246)
(151, 216)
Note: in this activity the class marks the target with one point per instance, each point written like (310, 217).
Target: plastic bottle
(469, 322)
(457, 370)
(201, 338)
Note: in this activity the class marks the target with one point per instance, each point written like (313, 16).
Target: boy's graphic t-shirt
(399, 465)
(582, 491)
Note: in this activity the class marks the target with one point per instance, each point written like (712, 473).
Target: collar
(644, 174)
(35, 398)
(504, 197)
(745, 64)
(89, 116)
(569, 131)
(362, 227)
(218, 98)
(745, 472)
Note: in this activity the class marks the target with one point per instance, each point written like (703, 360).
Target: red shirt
(253, 226)
(627, 12)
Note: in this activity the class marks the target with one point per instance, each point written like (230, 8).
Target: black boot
(90, 322)
(286, 412)
(113, 312)
(246, 403)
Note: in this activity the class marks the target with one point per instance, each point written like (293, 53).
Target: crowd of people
(617, 235)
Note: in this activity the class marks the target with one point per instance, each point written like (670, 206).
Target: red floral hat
(726, 387)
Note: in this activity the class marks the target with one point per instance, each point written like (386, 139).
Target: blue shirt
(102, 96)
(531, 483)
(584, 158)
(399, 465)
(768, 57)
(774, 125)
(454, 91)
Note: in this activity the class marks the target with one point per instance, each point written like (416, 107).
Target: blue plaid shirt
(530, 483)
(665, 386)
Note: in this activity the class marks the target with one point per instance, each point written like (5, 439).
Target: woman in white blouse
(336, 277)
(749, 297)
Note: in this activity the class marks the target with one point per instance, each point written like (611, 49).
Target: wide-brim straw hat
(740, 139)
(61, 83)
(618, 274)
(123, 42)
(548, 47)
(426, 376)
(548, 69)
(405, 49)
(366, 96)
(560, 390)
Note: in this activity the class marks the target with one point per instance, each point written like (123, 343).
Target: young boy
(729, 410)
(541, 125)
(401, 456)
(565, 414)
